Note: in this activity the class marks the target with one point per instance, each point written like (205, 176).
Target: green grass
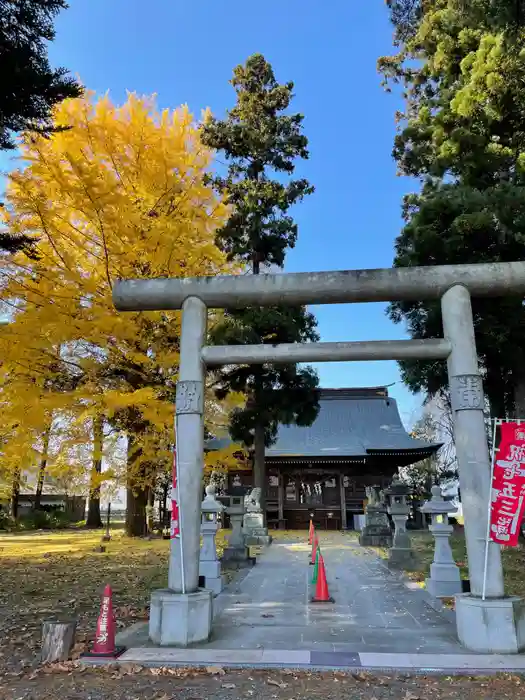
(41, 545)
(64, 572)
(423, 546)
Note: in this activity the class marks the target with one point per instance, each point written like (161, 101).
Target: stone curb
(304, 660)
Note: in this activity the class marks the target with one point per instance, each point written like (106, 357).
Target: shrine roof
(351, 423)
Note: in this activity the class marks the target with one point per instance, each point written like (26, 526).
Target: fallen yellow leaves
(215, 670)
(135, 682)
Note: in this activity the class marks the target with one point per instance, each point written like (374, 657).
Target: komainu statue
(252, 501)
(372, 495)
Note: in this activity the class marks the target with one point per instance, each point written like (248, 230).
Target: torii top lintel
(335, 287)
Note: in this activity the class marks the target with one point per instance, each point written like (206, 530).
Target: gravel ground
(48, 574)
(67, 682)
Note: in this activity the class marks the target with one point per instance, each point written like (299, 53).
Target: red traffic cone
(104, 644)
(311, 533)
(314, 550)
(321, 589)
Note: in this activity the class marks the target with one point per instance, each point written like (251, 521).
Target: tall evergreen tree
(463, 134)
(29, 87)
(261, 142)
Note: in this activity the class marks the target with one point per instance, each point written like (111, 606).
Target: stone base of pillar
(444, 581)
(260, 538)
(239, 555)
(254, 530)
(210, 569)
(215, 584)
(492, 626)
(371, 537)
(210, 576)
(443, 589)
(178, 619)
(377, 531)
(401, 558)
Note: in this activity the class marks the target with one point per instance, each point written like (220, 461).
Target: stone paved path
(374, 610)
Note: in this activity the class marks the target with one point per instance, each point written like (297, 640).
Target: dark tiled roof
(217, 443)
(351, 423)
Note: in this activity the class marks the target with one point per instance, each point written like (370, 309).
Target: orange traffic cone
(321, 589)
(314, 550)
(311, 533)
(104, 644)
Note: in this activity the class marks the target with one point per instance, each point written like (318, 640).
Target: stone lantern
(445, 579)
(209, 564)
(400, 555)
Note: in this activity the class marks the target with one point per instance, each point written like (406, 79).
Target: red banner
(508, 486)
(175, 523)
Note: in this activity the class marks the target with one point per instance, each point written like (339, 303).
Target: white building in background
(114, 494)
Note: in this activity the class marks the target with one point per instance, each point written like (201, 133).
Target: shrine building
(321, 471)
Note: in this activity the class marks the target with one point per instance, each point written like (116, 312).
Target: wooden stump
(58, 639)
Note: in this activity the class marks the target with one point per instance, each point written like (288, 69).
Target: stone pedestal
(491, 626)
(211, 573)
(376, 532)
(253, 529)
(180, 619)
(209, 564)
(444, 579)
(400, 556)
(443, 582)
(236, 551)
(237, 555)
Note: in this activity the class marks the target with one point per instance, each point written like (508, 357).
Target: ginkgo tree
(32, 390)
(121, 194)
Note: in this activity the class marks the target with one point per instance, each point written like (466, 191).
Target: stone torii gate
(182, 613)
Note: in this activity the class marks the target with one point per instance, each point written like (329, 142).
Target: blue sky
(185, 52)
